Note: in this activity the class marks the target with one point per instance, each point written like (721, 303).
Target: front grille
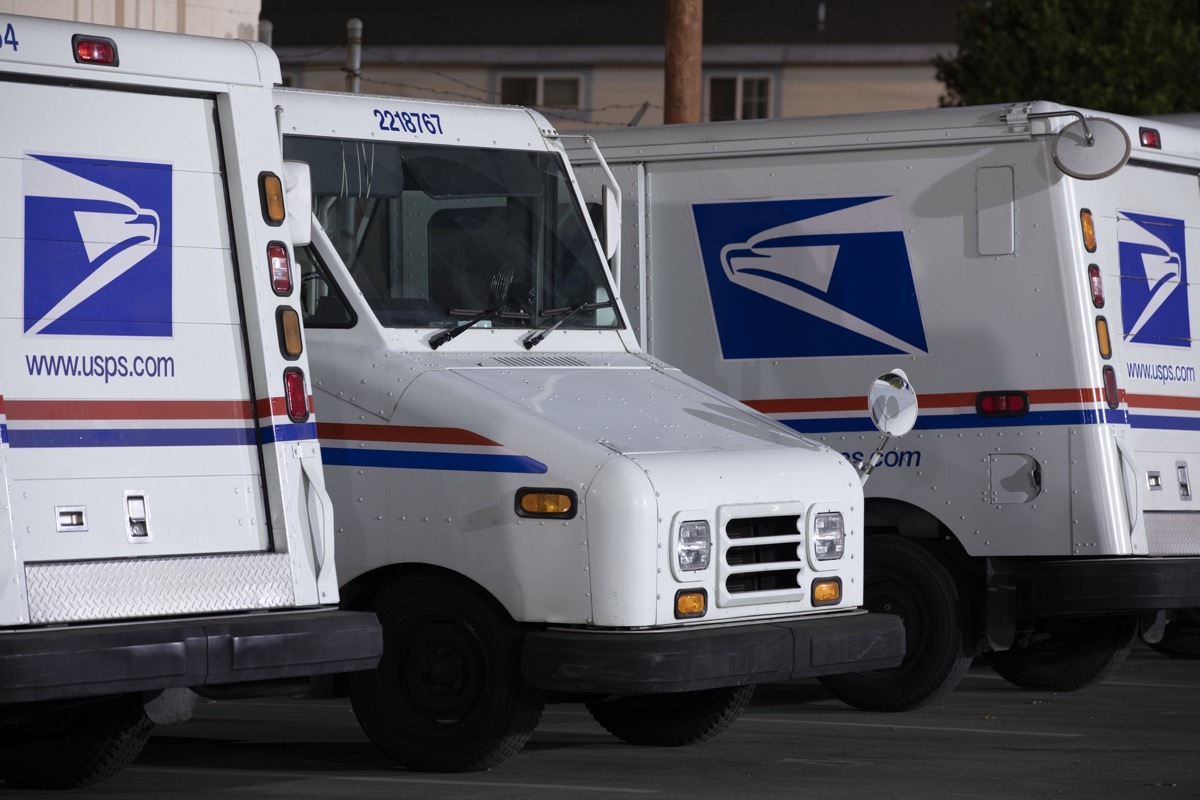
(762, 560)
(1173, 533)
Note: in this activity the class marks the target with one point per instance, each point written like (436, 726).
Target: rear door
(1153, 309)
(130, 417)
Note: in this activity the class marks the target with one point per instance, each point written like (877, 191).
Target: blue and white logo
(824, 276)
(97, 247)
(1154, 302)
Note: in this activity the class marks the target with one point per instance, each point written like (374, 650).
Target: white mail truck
(536, 508)
(1027, 265)
(164, 520)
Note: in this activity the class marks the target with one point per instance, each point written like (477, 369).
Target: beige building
(225, 19)
(602, 62)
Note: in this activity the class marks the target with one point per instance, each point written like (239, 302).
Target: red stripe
(277, 407)
(811, 405)
(1163, 401)
(402, 434)
(128, 409)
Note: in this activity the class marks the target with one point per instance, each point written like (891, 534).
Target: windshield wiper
(446, 334)
(563, 314)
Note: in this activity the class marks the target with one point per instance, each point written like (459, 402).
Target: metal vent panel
(1173, 533)
(80, 591)
(540, 361)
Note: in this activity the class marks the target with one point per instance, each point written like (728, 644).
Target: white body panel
(150, 468)
(426, 447)
(781, 261)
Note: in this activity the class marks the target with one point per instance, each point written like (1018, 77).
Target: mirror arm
(867, 466)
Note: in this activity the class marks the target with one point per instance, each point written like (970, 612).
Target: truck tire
(447, 695)
(672, 720)
(1181, 638)
(73, 747)
(903, 578)
(1068, 656)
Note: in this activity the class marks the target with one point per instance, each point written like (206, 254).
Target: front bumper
(691, 659)
(93, 660)
(1114, 585)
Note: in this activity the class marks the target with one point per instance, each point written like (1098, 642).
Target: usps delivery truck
(1028, 266)
(165, 523)
(537, 509)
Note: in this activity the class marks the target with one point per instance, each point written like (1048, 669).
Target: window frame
(740, 76)
(582, 76)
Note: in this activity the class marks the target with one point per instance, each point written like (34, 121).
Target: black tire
(447, 695)
(1181, 639)
(1066, 656)
(75, 746)
(672, 720)
(903, 578)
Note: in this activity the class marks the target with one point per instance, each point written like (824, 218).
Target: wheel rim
(442, 670)
(888, 593)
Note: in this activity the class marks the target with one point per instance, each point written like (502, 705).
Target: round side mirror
(1104, 154)
(893, 403)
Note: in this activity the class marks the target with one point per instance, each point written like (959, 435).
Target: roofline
(626, 55)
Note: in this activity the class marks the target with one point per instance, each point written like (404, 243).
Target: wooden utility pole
(684, 90)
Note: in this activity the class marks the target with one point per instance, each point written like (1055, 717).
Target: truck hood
(633, 407)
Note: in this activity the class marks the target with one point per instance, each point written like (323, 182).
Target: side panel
(788, 280)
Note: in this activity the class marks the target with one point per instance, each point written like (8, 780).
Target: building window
(739, 97)
(542, 91)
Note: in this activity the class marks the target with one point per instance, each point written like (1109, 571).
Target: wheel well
(890, 516)
(361, 592)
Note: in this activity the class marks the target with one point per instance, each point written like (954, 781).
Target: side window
(739, 96)
(556, 94)
(322, 303)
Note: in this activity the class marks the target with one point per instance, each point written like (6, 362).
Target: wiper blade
(446, 334)
(563, 314)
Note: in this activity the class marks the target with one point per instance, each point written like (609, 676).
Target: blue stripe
(416, 459)
(3, 434)
(1164, 423)
(133, 437)
(934, 422)
(289, 433)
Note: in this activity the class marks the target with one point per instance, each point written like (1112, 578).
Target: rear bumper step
(1113, 585)
(92, 660)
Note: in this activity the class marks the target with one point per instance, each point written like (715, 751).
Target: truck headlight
(693, 548)
(829, 536)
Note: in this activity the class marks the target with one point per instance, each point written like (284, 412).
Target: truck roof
(46, 48)
(880, 130)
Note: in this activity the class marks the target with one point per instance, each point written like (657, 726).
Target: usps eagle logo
(97, 247)
(810, 277)
(1154, 302)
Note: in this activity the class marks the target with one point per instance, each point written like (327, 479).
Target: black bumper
(92, 660)
(689, 659)
(1115, 585)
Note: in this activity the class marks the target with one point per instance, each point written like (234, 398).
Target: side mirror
(297, 198)
(893, 406)
(611, 230)
(1091, 148)
(893, 403)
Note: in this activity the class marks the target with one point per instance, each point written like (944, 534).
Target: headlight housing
(829, 536)
(693, 548)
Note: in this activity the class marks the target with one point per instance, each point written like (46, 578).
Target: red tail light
(295, 394)
(281, 268)
(1111, 395)
(1097, 285)
(1001, 404)
(1150, 138)
(93, 50)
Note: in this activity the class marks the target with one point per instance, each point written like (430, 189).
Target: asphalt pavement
(1137, 735)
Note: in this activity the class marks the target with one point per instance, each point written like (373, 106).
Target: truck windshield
(434, 236)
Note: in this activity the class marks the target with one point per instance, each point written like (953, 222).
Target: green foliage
(1135, 57)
